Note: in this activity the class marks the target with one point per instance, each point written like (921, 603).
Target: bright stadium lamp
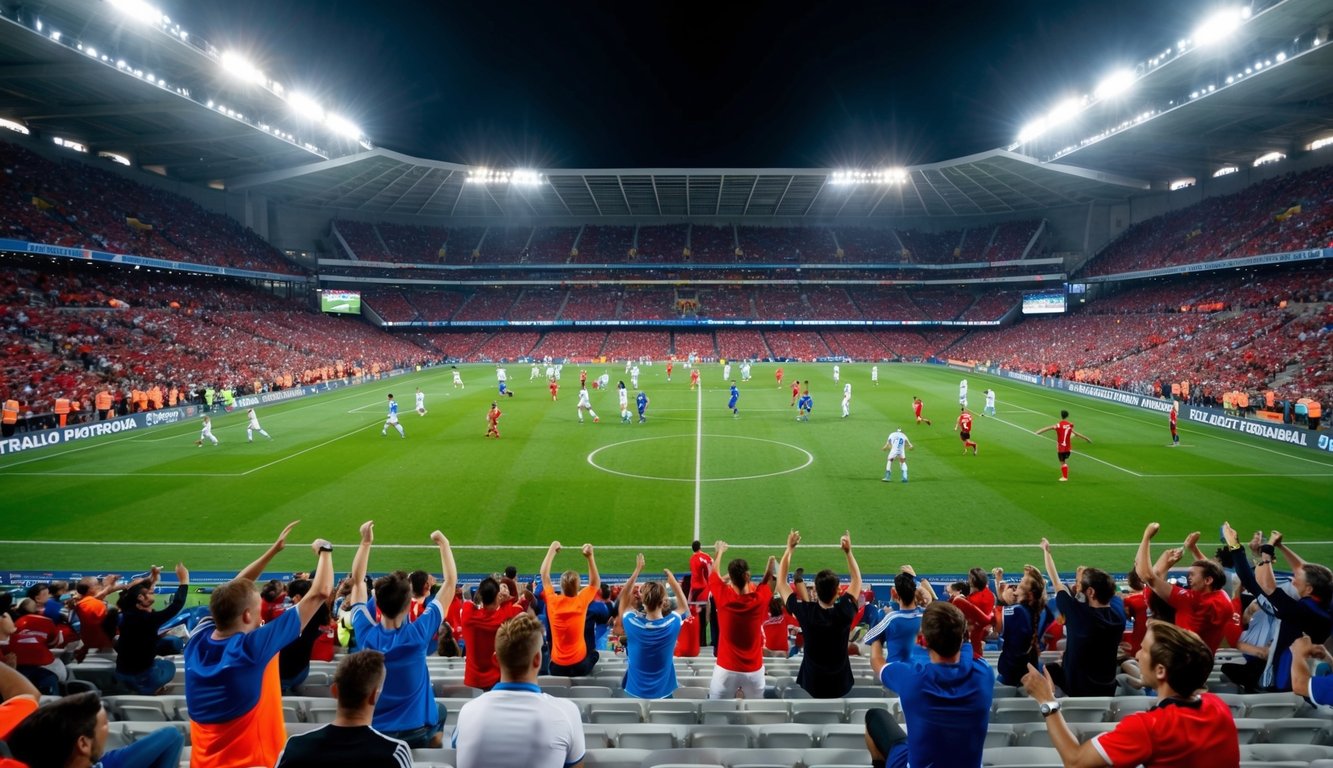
(1032, 130)
(1064, 111)
(1114, 84)
(306, 107)
(239, 67)
(138, 10)
(1219, 26)
(342, 126)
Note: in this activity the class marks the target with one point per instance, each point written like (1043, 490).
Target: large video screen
(1044, 302)
(340, 302)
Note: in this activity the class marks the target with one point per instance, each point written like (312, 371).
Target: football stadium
(260, 303)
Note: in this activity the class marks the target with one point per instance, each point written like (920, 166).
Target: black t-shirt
(295, 657)
(335, 746)
(825, 670)
(1092, 644)
(136, 648)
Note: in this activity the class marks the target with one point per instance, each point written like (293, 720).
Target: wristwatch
(1049, 708)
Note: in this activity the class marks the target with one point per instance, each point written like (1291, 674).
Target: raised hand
(555, 547)
(439, 538)
(793, 538)
(1151, 530)
(1275, 538)
(587, 550)
(1192, 540)
(182, 574)
(367, 531)
(1045, 545)
(1174, 555)
(638, 562)
(282, 537)
(319, 544)
(846, 541)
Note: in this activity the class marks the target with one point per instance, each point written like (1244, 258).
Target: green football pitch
(693, 470)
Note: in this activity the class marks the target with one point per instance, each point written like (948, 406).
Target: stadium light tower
(343, 127)
(1114, 84)
(138, 10)
(1219, 26)
(240, 67)
(305, 107)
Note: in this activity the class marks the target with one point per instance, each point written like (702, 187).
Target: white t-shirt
(583, 399)
(624, 397)
(254, 420)
(500, 374)
(897, 444)
(421, 399)
(551, 736)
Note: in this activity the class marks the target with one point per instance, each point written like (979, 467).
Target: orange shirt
(567, 615)
(255, 738)
(92, 612)
(13, 712)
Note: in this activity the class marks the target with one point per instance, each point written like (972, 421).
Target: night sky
(687, 85)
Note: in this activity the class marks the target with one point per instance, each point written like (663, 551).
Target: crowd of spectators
(1190, 661)
(362, 241)
(72, 203)
(662, 242)
(1286, 213)
(712, 244)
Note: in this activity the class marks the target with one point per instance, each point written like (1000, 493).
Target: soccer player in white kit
(837, 374)
(962, 393)
(206, 433)
(392, 419)
(990, 403)
(897, 445)
(634, 377)
(846, 399)
(623, 394)
(550, 371)
(586, 405)
(745, 371)
(726, 372)
(874, 375)
(458, 379)
(254, 427)
(536, 372)
(421, 402)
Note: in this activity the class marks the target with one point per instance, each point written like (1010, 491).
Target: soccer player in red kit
(1175, 436)
(583, 378)
(1064, 438)
(670, 364)
(694, 379)
(795, 391)
(916, 411)
(555, 389)
(964, 429)
(779, 376)
(493, 421)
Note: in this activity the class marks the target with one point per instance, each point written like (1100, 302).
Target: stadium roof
(382, 182)
(58, 89)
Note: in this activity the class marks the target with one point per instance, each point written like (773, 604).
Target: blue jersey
(806, 403)
(641, 401)
(735, 394)
(935, 699)
(393, 407)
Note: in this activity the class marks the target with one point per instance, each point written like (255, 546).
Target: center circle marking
(592, 459)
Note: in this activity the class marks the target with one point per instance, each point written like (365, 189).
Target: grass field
(125, 501)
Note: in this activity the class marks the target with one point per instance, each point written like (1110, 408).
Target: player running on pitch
(804, 406)
(897, 445)
(846, 399)
(555, 388)
(735, 395)
(206, 432)
(916, 411)
(392, 419)
(421, 402)
(964, 428)
(990, 403)
(493, 421)
(1175, 413)
(1064, 439)
(458, 378)
(254, 427)
(641, 402)
(586, 405)
(623, 395)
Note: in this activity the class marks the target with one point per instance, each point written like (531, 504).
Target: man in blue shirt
(651, 636)
(803, 407)
(406, 709)
(735, 395)
(946, 700)
(392, 419)
(899, 628)
(642, 402)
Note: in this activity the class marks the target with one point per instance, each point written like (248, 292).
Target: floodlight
(1032, 130)
(138, 10)
(1064, 111)
(1269, 157)
(1320, 143)
(1219, 26)
(1115, 84)
(239, 67)
(1182, 183)
(305, 106)
(342, 126)
(1225, 171)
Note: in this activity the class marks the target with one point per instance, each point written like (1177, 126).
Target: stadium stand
(605, 245)
(413, 244)
(712, 244)
(631, 345)
(362, 240)
(785, 244)
(662, 243)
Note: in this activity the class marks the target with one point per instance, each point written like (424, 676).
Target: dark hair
(962, 587)
(511, 572)
(358, 675)
(298, 588)
(272, 591)
(488, 590)
(695, 545)
(392, 594)
(775, 606)
(1135, 581)
(739, 571)
(1100, 583)
(904, 585)
(46, 738)
(826, 585)
(129, 598)
(36, 589)
(419, 580)
(1064, 414)
(978, 579)
(1217, 578)
(1320, 579)
(1186, 657)
(1036, 605)
(1224, 557)
(944, 628)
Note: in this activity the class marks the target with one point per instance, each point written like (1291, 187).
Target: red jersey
(965, 422)
(796, 389)
(32, 640)
(694, 375)
(1136, 610)
(687, 642)
(778, 374)
(701, 564)
(670, 365)
(1205, 613)
(554, 388)
(740, 619)
(1173, 418)
(583, 377)
(1174, 736)
(775, 631)
(1064, 436)
(481, 670)
(916, 408)
(494, 416)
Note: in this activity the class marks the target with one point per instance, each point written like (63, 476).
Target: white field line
(1131, 414)
(1080, 453)
(311, 448)
(698, 457)
(612, 547)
